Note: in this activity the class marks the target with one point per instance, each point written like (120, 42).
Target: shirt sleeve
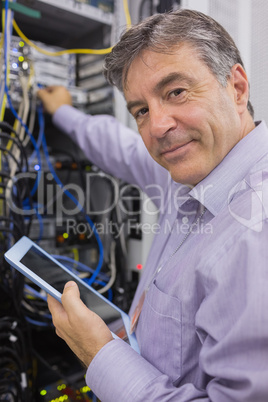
(113, 147)
(118, 373)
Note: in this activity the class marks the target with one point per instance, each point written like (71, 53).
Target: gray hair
(162, 32)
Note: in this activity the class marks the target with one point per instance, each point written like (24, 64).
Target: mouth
(170, 152)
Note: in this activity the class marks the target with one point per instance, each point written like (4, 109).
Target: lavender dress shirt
(203, 329)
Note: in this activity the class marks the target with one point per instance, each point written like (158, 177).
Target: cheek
(147, 140)
(210, 120)
(193, 117)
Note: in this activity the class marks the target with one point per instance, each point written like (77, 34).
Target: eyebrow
(169, 79)
(132, 104)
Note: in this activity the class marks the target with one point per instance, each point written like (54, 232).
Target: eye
(176, 92)
(141, 112)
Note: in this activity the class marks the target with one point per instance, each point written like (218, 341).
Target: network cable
(76, 202)
(41, 123)
(7, 90)
(72, 51)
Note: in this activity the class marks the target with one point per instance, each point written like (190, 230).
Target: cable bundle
(24, 302)
(14, 185)
(16, 376)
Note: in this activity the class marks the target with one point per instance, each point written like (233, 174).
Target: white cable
(121, 232)
(23, 114)
(33, 113)
(112, 266)
(24, 85)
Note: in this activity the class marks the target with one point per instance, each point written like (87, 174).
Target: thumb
(71, 286)
(71, 298)
(42, 93)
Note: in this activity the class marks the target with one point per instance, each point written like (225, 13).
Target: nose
(161, 121)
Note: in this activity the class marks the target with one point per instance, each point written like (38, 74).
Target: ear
(240, 84)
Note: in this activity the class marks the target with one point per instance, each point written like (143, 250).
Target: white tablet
(47, 273)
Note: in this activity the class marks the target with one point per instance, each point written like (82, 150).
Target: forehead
(150, 66)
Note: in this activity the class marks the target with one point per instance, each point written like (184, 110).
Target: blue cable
(35, 292)
(80, 265)
(94, 398)
(38, 323)
(10, 103)
(39, 139)
(41, 120)
(34, 189)
(76, 202)
(41, 225)
(110, 294)
(39, 217)
(39, 296)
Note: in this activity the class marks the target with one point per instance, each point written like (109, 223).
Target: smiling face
(187, 120)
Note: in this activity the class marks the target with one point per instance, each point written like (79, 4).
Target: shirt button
(185, 220)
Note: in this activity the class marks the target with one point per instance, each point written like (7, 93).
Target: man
(202, 301)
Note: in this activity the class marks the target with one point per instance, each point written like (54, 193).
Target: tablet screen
(55, 276)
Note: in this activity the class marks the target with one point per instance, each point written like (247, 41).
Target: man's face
(186, 119)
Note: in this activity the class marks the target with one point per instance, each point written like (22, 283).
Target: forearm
(118, 373)
(114, 148)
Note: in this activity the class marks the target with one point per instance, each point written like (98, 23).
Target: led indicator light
(21, 58)
(36, 167)
(14, 65)
(139, 266)
(43, 392)
(25, 65)
(60, 239)
(21, 44)
(85, 389)
(65, 236)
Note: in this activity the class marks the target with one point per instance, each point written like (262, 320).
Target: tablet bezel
(14, 256)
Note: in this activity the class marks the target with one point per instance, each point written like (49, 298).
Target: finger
(54, 306)
(47, 90)
(59, 316)
(42, 94)
(53, 88)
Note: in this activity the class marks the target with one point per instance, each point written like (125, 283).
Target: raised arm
(113, 147)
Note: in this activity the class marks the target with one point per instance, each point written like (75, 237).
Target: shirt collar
(213, 191)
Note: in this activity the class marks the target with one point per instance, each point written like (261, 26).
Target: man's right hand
(53, 97)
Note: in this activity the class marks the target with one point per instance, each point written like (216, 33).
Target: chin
(187, 180)
(188, 177)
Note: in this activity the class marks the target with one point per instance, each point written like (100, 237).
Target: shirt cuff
(118, 373)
